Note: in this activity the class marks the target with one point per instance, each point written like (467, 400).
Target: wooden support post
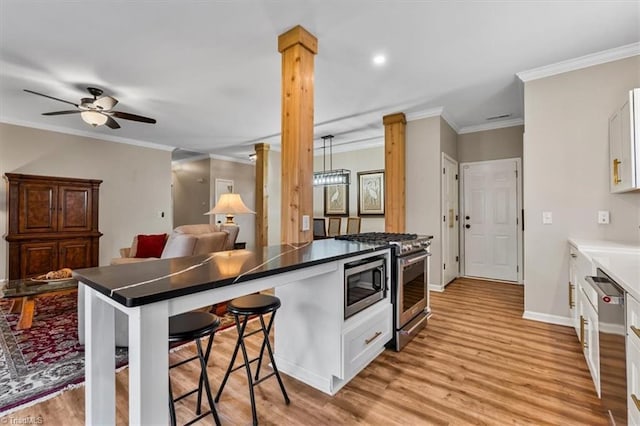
(394, 166)
(298, 48)
(262, 197)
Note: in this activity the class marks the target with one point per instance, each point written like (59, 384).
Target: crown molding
(433, 112)
(190, 159)
(491, 126)
(427, 113)
(585, 61)
(232, 159)
(86, 134)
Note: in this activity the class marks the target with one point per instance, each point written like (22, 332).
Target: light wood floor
(478, 362)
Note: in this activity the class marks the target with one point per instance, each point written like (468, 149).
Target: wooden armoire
(53, 224)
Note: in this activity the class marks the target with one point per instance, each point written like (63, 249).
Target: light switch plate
(603, 217)
(305, 222)
(547, 218)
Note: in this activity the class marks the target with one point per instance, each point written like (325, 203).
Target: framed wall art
(336, 200)
(371, 193)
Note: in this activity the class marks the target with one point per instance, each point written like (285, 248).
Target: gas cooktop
(404, 243)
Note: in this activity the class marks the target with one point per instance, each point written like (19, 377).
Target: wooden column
(262, 197)
(394, 166)
(298, 48)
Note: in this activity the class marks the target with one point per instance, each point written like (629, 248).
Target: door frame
(519, 218)
(442, 212)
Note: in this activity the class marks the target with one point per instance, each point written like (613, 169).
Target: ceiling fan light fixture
(93, 118)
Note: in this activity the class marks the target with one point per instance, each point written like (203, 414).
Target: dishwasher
(611, 341)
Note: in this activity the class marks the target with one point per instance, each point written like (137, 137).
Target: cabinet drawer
(585, 267)
(633, 320)
(362, 343)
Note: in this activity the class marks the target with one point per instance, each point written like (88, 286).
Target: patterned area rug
(40, 362)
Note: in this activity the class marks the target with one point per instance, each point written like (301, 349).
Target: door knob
(467, 217)
(467, 226)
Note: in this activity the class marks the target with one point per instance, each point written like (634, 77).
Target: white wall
(356, 161)
(423, 186)
(495, 144)
(566, 172)
(244, 182)
(191, 186)
(136, 181)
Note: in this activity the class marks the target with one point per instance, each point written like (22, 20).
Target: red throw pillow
(150, 245)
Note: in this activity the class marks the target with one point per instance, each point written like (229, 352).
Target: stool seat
(192, 325)
(253, 304)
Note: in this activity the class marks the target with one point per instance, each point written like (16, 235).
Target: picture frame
(336, 200)
(222, 186)
(371, 193)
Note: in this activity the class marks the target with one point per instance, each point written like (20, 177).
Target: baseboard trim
(550, 319)
(436, 287)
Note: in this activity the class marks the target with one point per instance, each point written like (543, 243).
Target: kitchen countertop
(621, 261)
(146, 282)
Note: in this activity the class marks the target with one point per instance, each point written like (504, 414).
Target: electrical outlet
(603, 217)
(547, 218)
(305, 222)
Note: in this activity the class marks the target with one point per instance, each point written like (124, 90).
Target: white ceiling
(209, 71)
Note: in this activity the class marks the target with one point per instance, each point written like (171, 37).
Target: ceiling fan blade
(105, 103)
(62, 112)
(50, 97)
(111, 123)
(128, 116)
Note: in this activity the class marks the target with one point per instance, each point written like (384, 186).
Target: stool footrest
(197, 418)
(257, 382)
(185, 395)
(243, 366)
(253, 332)
(184, 361)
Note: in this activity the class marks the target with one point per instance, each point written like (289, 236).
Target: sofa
(185, 240)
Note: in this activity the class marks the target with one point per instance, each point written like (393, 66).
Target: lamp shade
(230, 204)
(94, 118)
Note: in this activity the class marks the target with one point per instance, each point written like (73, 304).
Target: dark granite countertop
(224, 268)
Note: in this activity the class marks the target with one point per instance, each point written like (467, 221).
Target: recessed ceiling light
(379, 59)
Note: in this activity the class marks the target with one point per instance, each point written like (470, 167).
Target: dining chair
(319, 228)
(335, 224)
(353, 225)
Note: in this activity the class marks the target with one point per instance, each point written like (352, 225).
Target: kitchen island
(313, 341)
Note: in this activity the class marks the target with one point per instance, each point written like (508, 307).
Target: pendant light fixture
(331, 176)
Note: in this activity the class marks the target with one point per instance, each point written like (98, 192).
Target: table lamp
(230, 204)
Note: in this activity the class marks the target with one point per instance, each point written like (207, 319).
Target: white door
(489, 220)
(449, 219)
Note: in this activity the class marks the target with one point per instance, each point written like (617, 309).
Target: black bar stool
(246, 306)
(184, 328)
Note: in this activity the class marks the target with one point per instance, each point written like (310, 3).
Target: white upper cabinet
(624, 145)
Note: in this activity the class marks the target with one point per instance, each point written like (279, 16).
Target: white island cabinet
(313, 342)
(319, 347)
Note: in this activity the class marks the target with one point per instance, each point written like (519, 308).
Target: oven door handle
(415, 259)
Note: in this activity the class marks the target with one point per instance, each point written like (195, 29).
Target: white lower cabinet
(572, 286)
(366, 340)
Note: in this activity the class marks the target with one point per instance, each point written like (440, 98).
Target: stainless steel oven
(412, 295)
(365, 283)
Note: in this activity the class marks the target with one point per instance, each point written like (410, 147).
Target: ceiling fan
(96, 111)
